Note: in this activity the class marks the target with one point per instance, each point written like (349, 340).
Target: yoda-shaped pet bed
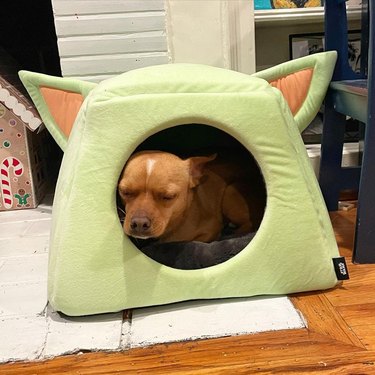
(94, 267)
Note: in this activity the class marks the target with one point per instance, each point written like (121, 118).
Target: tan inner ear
(63, 106)
(295, 87)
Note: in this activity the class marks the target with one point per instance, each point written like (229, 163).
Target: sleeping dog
(172, 199)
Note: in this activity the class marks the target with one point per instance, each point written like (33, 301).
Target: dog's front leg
(236, 210)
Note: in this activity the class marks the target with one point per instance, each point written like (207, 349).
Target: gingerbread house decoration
(22, 169)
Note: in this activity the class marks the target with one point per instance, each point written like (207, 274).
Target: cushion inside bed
(194, 254)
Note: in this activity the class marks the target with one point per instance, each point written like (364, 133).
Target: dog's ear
(58, 101)
(197, 165)
(303, 83)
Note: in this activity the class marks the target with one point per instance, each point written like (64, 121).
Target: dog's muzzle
(140, 225)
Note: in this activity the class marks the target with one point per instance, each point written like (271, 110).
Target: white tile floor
(29, 330)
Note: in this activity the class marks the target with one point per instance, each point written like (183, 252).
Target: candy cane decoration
(6, 191)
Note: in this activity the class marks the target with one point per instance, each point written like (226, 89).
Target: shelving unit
(297, 15)
(272, 30)
(273, 27)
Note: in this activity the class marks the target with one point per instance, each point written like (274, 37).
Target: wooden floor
(340, 338)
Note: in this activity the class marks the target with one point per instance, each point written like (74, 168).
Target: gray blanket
(194, 255)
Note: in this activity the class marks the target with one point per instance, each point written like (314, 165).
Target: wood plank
(109, 23)
(96, 78)
(322, 318)
(69, 7)
(356, 363)
(358, 315)
(154, 41)
(357, 271)
(109, 28)
(356, 292)
(367, 334)
(247, 352)
(359, 363)
(110, 64)
(343, 224)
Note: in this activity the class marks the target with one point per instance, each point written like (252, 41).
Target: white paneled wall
(98, 39)
(213, 32)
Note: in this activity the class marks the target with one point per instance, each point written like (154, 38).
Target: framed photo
(307, 44)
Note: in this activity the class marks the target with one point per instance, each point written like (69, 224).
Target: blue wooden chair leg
(364, 242)
(330, 175)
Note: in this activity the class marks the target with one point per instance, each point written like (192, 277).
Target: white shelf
(298, 15)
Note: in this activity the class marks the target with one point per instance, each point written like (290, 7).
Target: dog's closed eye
(168, 197)
(127, 194)
(169, 193)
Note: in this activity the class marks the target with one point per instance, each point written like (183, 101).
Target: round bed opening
(239, 178)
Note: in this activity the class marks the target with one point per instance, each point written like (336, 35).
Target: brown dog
(172, 199)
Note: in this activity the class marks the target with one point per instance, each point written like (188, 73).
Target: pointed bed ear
(303, 83)
(57, 100)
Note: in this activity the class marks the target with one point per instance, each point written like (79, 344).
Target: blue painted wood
(364, 242)
(339, 100)
(353, 98)
(336, 37)
(331, 154)
(349, 98)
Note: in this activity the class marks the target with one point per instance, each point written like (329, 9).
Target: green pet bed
(94, 267)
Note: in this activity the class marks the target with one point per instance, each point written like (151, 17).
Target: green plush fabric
(323, 64)
(95, 268)
(32, 82)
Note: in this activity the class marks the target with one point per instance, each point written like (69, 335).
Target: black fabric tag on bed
(340, 268)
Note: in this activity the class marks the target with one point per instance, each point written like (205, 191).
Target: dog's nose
(140, 224)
